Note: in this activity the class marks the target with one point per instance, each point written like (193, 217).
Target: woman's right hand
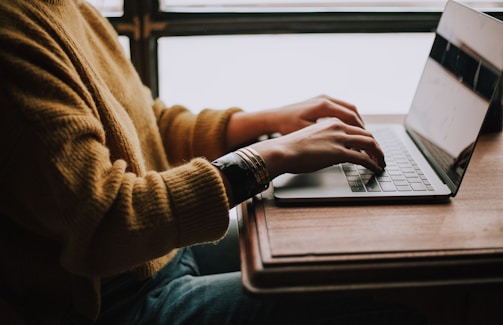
(321, 145)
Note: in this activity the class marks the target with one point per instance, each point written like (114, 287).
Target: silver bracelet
(257, 165)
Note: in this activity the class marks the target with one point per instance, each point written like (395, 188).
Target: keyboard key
(398, 177)
(366, 178)
(418, 186)
(372, 185)
(357, 188)
(387, 186)
(403, 188)
(383, 178)
(401, 183)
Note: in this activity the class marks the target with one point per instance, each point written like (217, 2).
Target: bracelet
(246, 172)
(257, 164)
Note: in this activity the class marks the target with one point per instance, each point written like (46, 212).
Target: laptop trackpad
(322, 183)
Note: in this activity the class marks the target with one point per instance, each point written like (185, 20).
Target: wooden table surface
(336, 247)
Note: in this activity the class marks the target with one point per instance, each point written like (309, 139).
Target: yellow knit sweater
(96, 177)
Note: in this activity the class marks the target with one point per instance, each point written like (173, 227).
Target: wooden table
(377, 247)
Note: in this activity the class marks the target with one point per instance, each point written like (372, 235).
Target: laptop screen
(461, 78)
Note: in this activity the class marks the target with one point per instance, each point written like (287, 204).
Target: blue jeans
(190, 290)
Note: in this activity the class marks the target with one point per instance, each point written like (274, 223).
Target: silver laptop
(427, 156)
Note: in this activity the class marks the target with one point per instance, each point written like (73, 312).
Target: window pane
(377, 72)
(327, 5)
(124, 40)
(109, 8)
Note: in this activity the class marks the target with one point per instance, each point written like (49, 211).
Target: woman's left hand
(293, 117)
(247, 126)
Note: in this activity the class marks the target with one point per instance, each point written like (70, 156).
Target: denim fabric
(181, 293)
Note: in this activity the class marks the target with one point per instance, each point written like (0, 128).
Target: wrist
(245, 127)
(274, 155)
(244, 174)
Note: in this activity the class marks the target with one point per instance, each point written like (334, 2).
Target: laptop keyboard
(401, 173)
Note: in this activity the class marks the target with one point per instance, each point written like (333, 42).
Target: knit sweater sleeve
(75, 171)
(201, 135)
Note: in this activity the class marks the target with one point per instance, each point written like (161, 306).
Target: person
(106, 190)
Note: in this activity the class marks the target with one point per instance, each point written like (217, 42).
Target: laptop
(428, 154)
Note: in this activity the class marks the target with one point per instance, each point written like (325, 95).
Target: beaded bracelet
(246, 172)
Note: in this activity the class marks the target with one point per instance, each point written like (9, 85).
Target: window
(315, 6)
(210, 17)
(368, 52)
(109, 8)
(113, 8)
(377, 72)
(262, 53)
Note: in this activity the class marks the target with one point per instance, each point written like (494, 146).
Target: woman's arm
(319, 132)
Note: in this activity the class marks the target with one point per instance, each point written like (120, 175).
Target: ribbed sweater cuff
(209, 138)
(199, 199)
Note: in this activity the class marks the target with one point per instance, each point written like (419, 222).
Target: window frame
(144, 23)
